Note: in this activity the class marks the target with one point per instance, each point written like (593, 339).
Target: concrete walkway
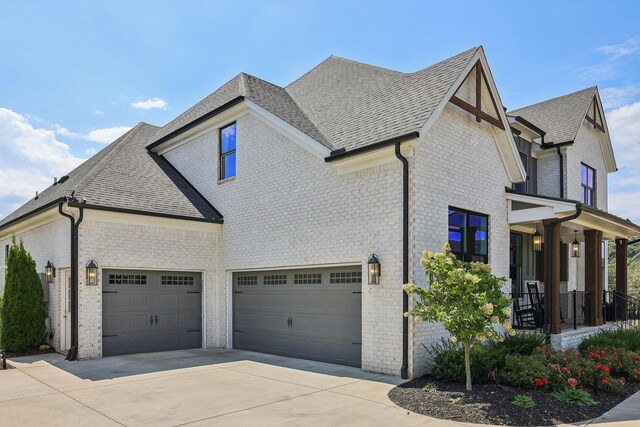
(207, 387)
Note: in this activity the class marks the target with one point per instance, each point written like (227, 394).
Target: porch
(559, 267)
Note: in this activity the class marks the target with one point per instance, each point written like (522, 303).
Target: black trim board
(340, 154)
(196, 122)
(143, 213)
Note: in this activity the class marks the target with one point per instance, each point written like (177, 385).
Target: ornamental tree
(465, 298)
(22, 310)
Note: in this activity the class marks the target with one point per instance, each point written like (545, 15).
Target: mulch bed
(491, 404)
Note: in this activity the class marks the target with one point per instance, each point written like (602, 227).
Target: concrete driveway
(211, 387)
(196, 387)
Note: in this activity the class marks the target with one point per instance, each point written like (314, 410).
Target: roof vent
(37, 195)
(63, 179)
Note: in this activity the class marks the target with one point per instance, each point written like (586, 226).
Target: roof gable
(125, 176)
(559, 117)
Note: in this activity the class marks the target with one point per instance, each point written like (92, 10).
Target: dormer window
(228, 151)
(588, 179)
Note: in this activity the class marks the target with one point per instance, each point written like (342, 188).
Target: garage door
(310, 314)
(145, 311)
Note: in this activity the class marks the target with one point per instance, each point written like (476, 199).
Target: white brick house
(248, 221)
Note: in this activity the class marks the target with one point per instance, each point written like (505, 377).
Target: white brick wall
(46, 242)
(456, 164)
(127, 241)
(287, 207)
(548, 177)
(586, 149)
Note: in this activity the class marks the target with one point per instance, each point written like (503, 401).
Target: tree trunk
(467, 365)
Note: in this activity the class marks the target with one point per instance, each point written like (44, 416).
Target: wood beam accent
(596, 113)
(592, 275)
(552, 288)
(476, 110)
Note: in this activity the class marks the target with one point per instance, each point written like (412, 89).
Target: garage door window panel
(307, 279)
(178, 280)
(346, 277)
(127, 279)
(275, 279)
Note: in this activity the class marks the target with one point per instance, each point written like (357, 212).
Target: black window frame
(585, 188)
(465, 255)
(221, 155)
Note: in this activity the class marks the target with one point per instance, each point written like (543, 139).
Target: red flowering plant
(621, 362)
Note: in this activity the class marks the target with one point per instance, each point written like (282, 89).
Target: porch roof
(527, 211)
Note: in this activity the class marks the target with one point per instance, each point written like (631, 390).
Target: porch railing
(621, 309)
(528, 310)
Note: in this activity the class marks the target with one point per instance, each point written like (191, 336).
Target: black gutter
(32, 213)
(546, 145)
(633, 242)
(342, 153)
(560, 157)
(143, 213)
(72, 354)
(539, 196)
(196, 122)
(549, 279)
(405, 260)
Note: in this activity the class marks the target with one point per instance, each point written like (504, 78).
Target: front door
(65, 323)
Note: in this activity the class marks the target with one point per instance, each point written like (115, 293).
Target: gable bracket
(596, 113)
(476, 110)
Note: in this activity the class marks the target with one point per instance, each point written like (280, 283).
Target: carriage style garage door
(145, 311)
(311, 314)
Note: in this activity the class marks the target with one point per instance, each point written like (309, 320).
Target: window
(588, 179)
(127, 279)
(228, 151)
(307, 279)
(346, 277)
(276, 279)
(177, 280)
(468, 235)
(247, 280)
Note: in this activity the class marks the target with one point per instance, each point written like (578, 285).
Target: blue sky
(75, 75)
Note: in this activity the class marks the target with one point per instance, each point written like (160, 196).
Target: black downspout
(404, 374)
(75, 226)
(549, 276)
(561, 173)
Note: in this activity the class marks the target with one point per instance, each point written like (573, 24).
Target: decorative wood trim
(596, 113)
(476, 110)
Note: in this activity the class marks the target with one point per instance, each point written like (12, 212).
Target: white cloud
(64, 132)
(150, 104)
(91, 151)
(624, 186)
(107, 135)
(31, 157)
(615, 97)
(626, 48)
(99, 113)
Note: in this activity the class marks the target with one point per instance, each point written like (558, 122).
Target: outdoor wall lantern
(537, 241)
(575, 246)
(92, 273)
(374, 270)
(50, 271)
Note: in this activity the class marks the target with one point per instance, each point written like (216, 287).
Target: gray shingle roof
(355, 104)
(267, 95)
(124, 175)
(342, 103)
(559, 117)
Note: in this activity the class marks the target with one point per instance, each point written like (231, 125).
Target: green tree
(465, 297)
(22, 311)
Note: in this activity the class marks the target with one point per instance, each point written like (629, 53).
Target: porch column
(592, 274)
(621, 276)
(552, 276)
